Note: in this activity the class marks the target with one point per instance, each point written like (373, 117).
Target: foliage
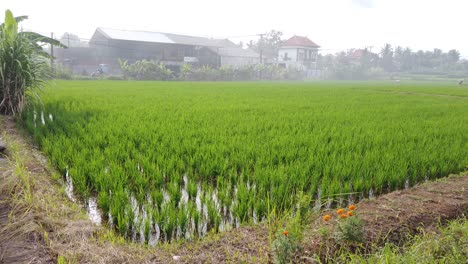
(289, 235)
(145, 70)
(284, 247)
(232, 153)
(23, 68)
(268, 44)
(61, 72)
(72, 40)
(365, 64)
(350, 230)
(448, 245)
(242, 73)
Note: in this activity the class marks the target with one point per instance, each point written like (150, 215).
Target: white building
(299, 52)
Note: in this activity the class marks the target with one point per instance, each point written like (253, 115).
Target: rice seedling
(210, 153)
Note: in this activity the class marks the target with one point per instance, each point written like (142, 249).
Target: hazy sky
(333, 24)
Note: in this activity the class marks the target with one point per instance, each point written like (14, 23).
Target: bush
(285, 246)
(83, 77)
(114, 77)
(62, 73)
(242, 73)
(145, 70)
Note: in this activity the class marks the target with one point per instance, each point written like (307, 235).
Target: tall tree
(71, 40)
(399, 58)
(386, 54)
(453, 56)
(268, 44)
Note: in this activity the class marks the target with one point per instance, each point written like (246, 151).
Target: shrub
(62, 73)
(145, 70)
(285, 246)
(114, 77)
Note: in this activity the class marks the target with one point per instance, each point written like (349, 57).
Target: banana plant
(23, 65)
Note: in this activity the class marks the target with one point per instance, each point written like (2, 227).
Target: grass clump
(448, 244)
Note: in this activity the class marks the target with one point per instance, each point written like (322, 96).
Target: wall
(238, 61)
(292, 54)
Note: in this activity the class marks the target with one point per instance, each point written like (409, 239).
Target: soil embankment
(396, 216)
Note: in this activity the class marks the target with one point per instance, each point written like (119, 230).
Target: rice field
(171, 160)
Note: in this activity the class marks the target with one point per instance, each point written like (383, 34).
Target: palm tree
(387, 57)
(23, 64)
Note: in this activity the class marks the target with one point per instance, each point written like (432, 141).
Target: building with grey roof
(107, 46)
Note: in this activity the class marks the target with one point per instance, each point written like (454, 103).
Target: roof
(158, 37)
(144, 36)
(357, 54)
(299, 41)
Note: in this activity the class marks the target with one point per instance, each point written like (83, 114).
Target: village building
(108, 46)
(301, 53)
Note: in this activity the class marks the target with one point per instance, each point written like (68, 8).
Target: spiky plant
(23, 65)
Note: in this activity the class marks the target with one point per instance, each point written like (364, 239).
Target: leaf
(36, 37)
(10, 27)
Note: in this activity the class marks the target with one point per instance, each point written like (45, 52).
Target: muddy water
(143, 216)
(92, 211)
(69, 187)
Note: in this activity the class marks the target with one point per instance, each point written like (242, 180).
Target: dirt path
(17, 245)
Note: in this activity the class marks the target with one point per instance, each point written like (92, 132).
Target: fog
(431, 31)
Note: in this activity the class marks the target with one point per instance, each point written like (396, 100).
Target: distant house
(80, 60)
(357, 54)
(299, 52)
(107, 46)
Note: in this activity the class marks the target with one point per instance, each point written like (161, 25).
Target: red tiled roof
(357, 54)
(300, 41)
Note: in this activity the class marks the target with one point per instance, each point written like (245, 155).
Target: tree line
(364, 63)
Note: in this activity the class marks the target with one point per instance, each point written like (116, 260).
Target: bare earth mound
(395, 216)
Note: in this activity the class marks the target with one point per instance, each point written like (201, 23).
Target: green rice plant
(214, 218)
(183, 219)
(251, 144)
(104, 201)
(192, 189)
(147, 230)
(157, 198)
(122, 224)
(243, 203)
(168, 224)
(196, 219)
(174, 192)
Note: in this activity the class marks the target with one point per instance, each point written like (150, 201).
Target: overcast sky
(333, 24)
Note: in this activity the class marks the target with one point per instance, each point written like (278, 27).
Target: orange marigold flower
(352, 207)
(350, 213)
(340, 211)
(343, 216)
(285, 232)
(326, 217)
